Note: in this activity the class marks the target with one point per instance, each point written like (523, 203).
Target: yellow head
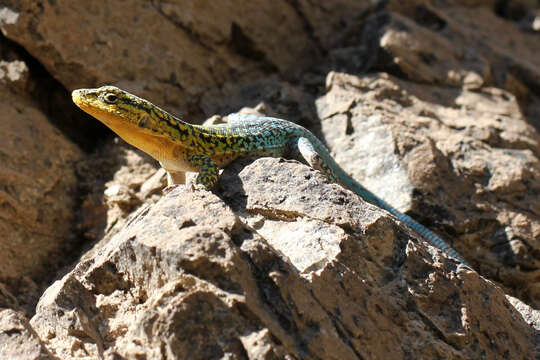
(115, 107)
(135, 120)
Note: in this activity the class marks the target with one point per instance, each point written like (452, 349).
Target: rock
(12, 71)
(424, 55)
(449, 163)
(486, 40)
(129, 180)
(38, 192)
(17, 338)
(154, 184)
(498, 47)
(530, 315)
(281, 97)
(192, 47)
(208, 276)
(22, 293)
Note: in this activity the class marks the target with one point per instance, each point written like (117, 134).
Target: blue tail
(407, 220)
(337, 174)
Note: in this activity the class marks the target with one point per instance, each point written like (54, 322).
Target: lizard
(180, 146)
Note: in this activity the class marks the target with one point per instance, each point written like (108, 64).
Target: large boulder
(277, 264)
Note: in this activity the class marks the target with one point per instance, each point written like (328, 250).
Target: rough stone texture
(130, 179)
(279, 98)
(469, 162)
(531, 316)
(18, 340)
(460, 140)
(193, 277)
(38, 188)
(452, 45)
(37, 192)
(191, 46)
(424, 55)
(14, 72)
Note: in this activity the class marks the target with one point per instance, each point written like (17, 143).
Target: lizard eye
(110, 98)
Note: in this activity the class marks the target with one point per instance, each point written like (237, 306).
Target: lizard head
(113, 106)
(135, 120)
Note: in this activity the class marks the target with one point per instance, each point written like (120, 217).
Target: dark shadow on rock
(54, 99)
(230, 187)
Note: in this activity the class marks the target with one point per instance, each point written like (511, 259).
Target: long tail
(339, 175)
(407, 220)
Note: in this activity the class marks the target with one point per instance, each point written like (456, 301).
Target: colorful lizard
(180, 146)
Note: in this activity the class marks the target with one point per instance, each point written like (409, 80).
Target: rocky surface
(469, 163)
(17, 338)
(37, 196)
(130, 179)
(432, 105)
(190, 46)
(259, 272)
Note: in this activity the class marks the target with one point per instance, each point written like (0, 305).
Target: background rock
(17, 338)
(190, 46)
(37, 197)
(469, 163)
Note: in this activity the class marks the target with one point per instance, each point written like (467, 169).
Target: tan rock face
(426, 56)
(129, 179)
(470, 164)
(203, 276)
(170, 52)
(38, 188)
(17, 338)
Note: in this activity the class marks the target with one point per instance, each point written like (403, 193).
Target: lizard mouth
(78, 97)
(85, 102)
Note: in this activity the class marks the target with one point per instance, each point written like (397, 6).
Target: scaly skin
(180, 146)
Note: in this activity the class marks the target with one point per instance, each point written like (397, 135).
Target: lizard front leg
(208, 170)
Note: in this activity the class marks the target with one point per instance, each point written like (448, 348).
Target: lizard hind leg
(304, 149)
(208, 170)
